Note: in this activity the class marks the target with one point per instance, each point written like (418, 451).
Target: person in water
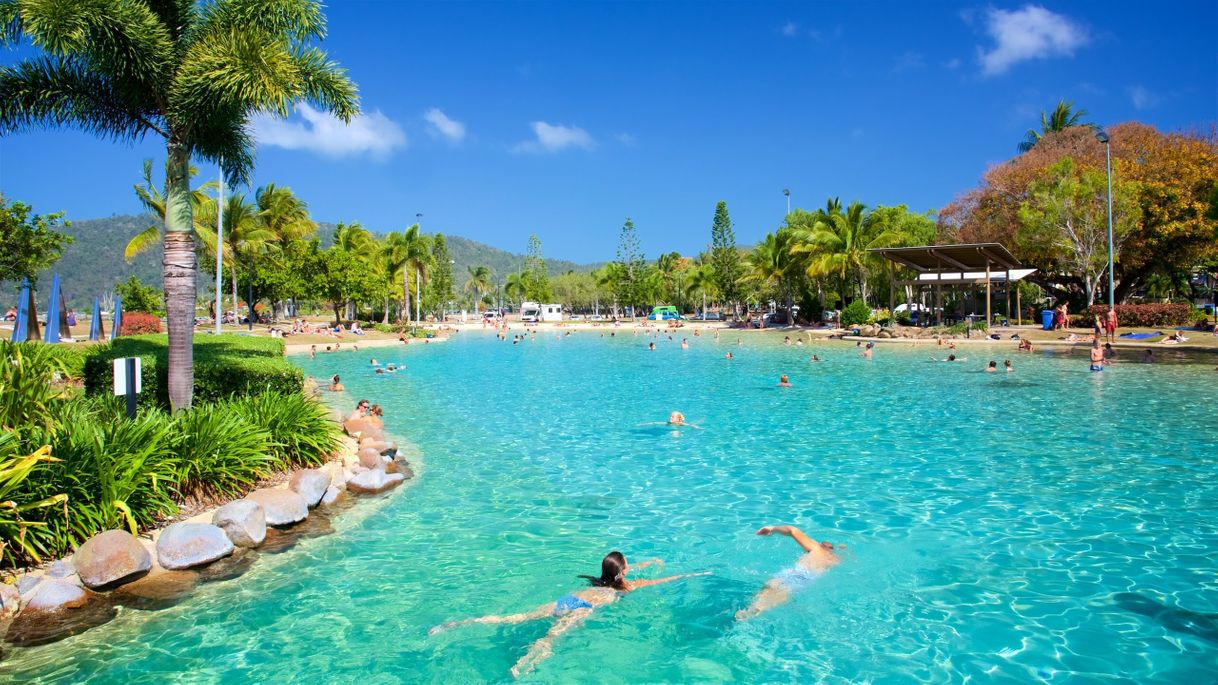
(818, 558)
(784, 381)
(335, 385)
(1097, 355)
(992, 368)
(570, 610)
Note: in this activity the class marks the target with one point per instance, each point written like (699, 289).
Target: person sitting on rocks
(360, 411)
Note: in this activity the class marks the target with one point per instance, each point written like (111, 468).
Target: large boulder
(54, 594)
(331, 496)
(111, 558)
(282, 507)
(373, 481)
(338, 477)
(186, 545)
(310, 484)
(370, 458)
(243, 521)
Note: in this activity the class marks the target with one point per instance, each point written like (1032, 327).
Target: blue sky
(497, 120)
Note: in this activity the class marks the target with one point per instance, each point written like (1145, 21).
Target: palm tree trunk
(418, 294)
(406, 293)
(178, 268)
(385, 317)
(234, 284)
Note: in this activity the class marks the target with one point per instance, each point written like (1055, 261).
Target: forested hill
(93, 263)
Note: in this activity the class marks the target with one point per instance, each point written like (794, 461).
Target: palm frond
(55, 91)
(142, 242)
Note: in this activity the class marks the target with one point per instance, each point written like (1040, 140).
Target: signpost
(127, 381)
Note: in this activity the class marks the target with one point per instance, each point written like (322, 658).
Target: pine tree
(725, 258)
(439, 290)
(537, 279)
(633, 263)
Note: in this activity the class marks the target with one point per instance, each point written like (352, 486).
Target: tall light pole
(1103, 137)
(220, 252)
(787, 192)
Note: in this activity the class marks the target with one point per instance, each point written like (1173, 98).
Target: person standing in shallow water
(817, 559)
(570, 610)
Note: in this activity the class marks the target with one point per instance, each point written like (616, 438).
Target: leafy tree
(774, 266)
(412, 252)
(1063, 117)
(28, 244)
(1066, 216)
(191, 73)
(137, 297)
(514, 286)
(632, 263)
(244, 237)
(439, 290)
(537, 279)
(838, 245)
(725, 258)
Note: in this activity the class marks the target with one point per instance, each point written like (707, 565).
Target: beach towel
(1139, 336)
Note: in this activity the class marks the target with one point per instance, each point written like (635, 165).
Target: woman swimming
(818, 558)
(570, 610)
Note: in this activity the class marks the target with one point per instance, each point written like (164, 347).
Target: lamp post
(787, 192)
(1103, 137)
(418, 278)
(220, 254)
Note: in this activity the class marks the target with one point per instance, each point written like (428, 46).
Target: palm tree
(244, 236)
(154, 202)
(191, 73)
(412, 252)
(1063, 117)
(479, 283)
(355, 240)
(701, 281)
(772, 265)
(285, 216)
(514, 286)
(838, 246)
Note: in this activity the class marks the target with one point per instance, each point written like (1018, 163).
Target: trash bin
(1046, 319)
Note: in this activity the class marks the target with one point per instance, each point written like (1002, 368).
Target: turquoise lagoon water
(1047, 525)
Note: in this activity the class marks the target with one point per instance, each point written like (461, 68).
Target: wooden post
(989, 320)
(891, 285)
(1008, 294)
(938, 292)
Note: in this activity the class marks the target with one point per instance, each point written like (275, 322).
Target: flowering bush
(1144, 315)
(136, 323)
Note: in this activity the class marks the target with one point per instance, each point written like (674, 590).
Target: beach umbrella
(57, 313)
(26, 326)
(96, 328)
(118, 317)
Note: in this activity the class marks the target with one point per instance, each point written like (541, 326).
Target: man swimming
(818, 558)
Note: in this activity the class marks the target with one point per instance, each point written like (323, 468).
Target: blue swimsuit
(568, 603)
(796, 577)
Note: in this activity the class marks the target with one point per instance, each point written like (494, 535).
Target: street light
(1103, 138)
(787, 192)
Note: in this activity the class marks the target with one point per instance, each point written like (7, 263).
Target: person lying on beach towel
(570, 610)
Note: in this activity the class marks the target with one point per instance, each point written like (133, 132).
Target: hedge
(224, 365)
(139, 323)
(1140, 315)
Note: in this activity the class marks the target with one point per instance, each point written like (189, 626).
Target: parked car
(708, 316)
(772, 319)
(577, 317)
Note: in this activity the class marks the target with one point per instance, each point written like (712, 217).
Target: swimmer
(572, 609)
(374, 363)
(799, 342)
(312, 351)
(1097, 354)
(684, 344)
(818, 558)
(992, 368)
(728, 356)
(867, 350)
(784, 381)
(335, 385)
(950, 358)
(786, 340)
(1148, 357)
(815, 359)
(380, 371)
(1007, 365)
(651, 346)
(675, 419)
(391, 368)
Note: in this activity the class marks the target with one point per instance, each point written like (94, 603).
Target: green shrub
(301, 430)
(22, 537)
(71, 359)
(220, 452)
(224, 365)
(26, 391)
(856, 313)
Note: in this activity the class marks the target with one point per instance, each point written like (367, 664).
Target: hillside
(93, 263)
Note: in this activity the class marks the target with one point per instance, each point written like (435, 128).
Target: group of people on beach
(572, 609)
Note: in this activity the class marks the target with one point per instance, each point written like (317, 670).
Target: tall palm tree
(479, 283)
(1063, 117)
(187, 72)
(837, 246)
(285, 216)
(244, 236)
(772, 265)
(412, 251)
(701, 281)
(355, 240)
(514, 286)
(153, 200)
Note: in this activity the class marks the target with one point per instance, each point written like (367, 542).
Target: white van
(534, 312)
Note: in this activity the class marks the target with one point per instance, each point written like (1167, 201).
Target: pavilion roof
(963, 257)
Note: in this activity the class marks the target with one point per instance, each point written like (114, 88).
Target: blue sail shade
(96, 328)
(26, 326)
(118, 317)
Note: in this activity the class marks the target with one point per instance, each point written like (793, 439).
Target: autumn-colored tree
(1171, 172)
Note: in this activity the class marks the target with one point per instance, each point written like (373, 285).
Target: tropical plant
(856, 313)
(27, 392)
(479, 283)
(221, 451)
(837, 245)
(21, 537)
(412, 252)
(138, 297)
(514, 287)
(245, 237)
(192, 74)
(725, 258)
(1063, 117)
(773, 265)
(28, 245)
(301, 432)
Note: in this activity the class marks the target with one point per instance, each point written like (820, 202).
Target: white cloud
(555, 137)
(442, 125)
(789, 29)
(1029, 33)
(373, 133)
(1143, 98)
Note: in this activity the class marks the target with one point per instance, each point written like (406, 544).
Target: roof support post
(989, 319)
